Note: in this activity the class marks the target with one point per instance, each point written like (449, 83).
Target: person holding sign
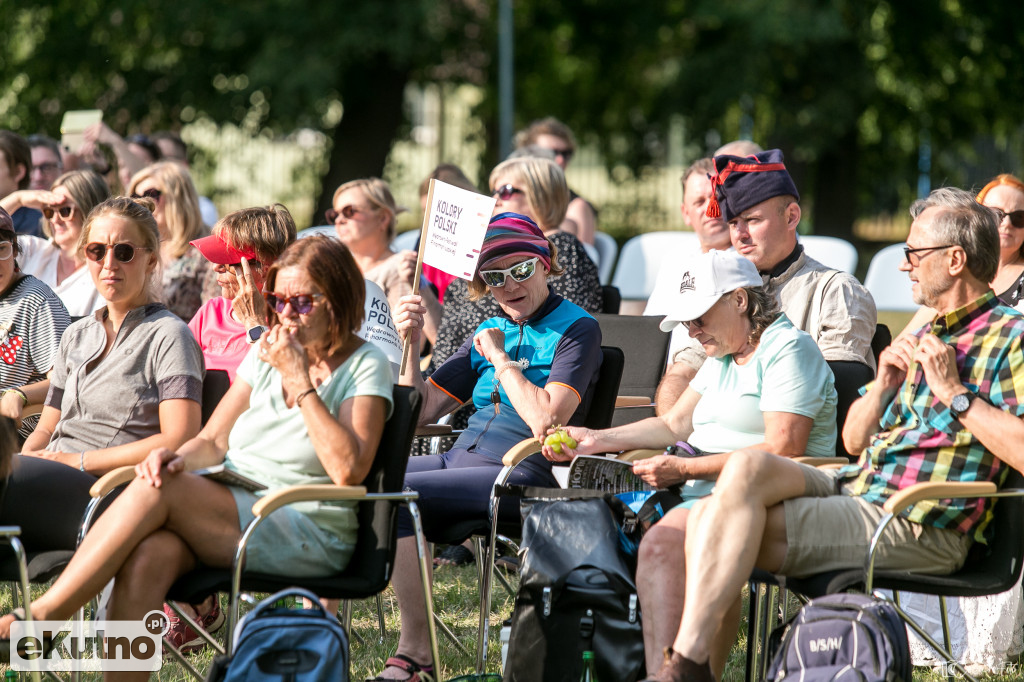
(243, 246)
(363, 215)
(531, 367)
(765, 385)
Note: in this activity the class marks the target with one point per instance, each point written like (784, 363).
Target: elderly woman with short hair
(765, 385)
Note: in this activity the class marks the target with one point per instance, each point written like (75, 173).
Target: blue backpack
(842, 637)
(274, 642)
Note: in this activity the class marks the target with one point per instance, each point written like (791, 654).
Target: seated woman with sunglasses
(242, 248)
(184, 270)
(127, 379)
(533, 366)
(308, 407)
(58, 262)
(363, 215)
(765, 385)
(1004, 195)
(32, 320)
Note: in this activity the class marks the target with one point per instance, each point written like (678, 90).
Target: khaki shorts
(828, 529)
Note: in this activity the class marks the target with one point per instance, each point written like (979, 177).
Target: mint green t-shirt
(269, 442)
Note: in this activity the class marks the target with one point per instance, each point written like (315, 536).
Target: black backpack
(842, 637)
(576, 593)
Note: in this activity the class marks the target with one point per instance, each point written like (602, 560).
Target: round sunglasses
(6, 250)
(123, 252)
(520, 272)
(348, 211)
(506, 192)
(300, 303)
(65, 212)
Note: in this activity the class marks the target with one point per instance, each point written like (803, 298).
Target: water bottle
(588, 674)
(10, 675)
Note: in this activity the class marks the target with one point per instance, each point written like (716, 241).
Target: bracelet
(299, 397)
(518, 364)
(20, 393)
(81, 461)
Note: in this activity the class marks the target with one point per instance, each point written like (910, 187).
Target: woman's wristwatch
(253, 334)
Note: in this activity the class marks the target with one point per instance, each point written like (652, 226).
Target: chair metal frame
(874, 582)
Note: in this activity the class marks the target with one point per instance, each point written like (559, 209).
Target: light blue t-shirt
(786, 373)
(269, 442)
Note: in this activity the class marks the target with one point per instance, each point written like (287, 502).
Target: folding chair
(989, 569)
(369, 571)
(646, 353)
(890, 287)
(640, 259)
(608, 249)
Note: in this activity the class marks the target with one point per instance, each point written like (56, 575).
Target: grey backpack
(842, 637)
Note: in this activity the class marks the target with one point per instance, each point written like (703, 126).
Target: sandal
(418, 672)
(454, 555)
(5, 644)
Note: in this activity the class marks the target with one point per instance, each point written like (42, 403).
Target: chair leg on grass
(417, 522)
(952, 663)
(181, 659)
(447, 632)
(380, 618)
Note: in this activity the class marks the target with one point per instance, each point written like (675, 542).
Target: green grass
(455, 600)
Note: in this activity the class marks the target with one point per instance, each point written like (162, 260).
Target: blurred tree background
(868, 99)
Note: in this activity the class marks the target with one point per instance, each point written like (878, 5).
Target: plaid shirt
(920, 441)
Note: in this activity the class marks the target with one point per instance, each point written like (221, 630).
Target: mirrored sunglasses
(123, 252)
(348, 212)
(64, 212)
(506, 192)
(300, 303)
(520, 272)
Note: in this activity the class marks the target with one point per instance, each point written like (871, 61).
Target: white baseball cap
(706, 279)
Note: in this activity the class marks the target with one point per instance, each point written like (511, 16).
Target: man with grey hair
(946, 406)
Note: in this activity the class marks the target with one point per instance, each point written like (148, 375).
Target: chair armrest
(429, 430)
(936, 490)
(822, 461)
(110, 480)
(633, 401)
(305, 493)
(520, 451)
(637, 455)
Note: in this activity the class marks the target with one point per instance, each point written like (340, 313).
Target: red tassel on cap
(714, 210)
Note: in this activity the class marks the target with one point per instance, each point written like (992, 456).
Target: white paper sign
(456, 222)
(378, 327)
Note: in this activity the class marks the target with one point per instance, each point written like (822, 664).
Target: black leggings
(47, 500)
(455, 488)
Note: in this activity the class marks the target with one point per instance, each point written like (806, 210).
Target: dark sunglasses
(64, 212)
(123, 252)
(564, 153)
(348, 211)
(1016, 217)
(300, 303)
(506, 192)
(151, 193)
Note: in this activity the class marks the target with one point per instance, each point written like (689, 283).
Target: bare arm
(540, 407)
(408, 316)
(579, 212)
(11, 404)
(179, 421)
(862, 421)
(673, 384)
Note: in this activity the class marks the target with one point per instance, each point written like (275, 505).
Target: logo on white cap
(687, 283)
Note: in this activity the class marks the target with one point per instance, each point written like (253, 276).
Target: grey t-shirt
(153, 358)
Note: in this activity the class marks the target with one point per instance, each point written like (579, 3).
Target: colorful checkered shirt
(920, 441)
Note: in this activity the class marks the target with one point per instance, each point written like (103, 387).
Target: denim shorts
(288, 543)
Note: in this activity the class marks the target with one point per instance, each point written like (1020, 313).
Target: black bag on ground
(274, 642)
(576, 592)
(842, 637)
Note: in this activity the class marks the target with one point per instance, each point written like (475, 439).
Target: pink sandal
(417, 671)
